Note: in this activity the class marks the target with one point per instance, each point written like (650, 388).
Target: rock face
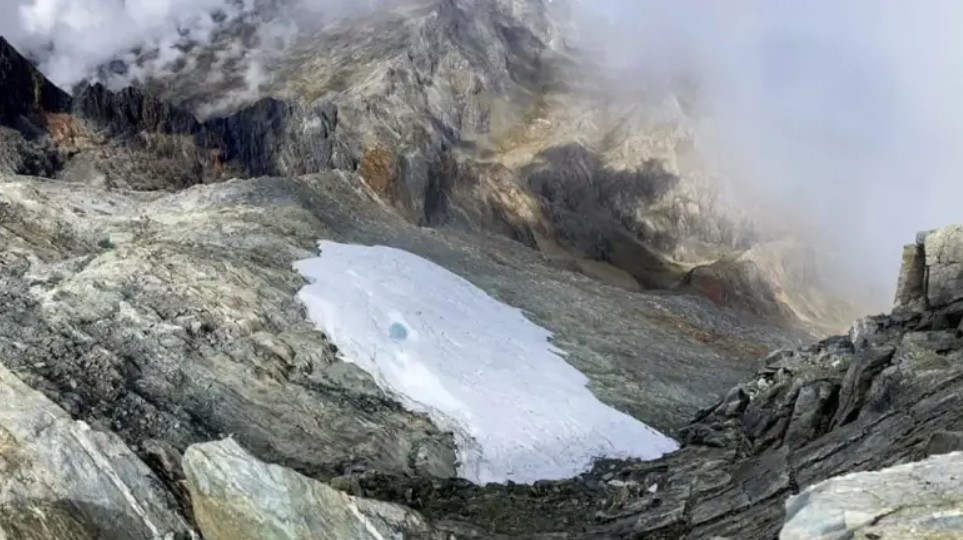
(237, 497)
(470, 115)
(932, 274)
(27, 94)
(906, 502)
(62, 479)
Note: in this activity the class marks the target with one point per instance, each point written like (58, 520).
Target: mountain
(151, 296)
(475, 116)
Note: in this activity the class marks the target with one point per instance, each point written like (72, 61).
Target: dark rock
(944, 442)
(130, 111)
(165, 461)
(893, 396)
(811, 414)
(26, 96)
(911, 286)
(865, 366)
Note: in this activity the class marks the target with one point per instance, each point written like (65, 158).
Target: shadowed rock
(25, 94)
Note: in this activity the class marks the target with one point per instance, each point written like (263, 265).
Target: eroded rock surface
(61, 479)
(237, 497)
(175, 318)
(906, 502)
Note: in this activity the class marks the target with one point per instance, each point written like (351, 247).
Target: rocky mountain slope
(149, 299)
(656, 340)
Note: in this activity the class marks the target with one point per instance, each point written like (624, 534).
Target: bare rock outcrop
(932, 271)
(237, 497)
(60, 478)
(905, 502)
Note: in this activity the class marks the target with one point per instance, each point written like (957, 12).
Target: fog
(71, 39)
(842, 119)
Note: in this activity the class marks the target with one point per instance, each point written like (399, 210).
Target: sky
(843, 119)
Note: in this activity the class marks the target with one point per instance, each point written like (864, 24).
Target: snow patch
(476, 366)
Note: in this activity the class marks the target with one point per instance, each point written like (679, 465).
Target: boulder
(932, 271)
(944, 266)
(916, 500)
(61, 479)
(237, 497)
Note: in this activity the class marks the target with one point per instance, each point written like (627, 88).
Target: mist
(72, 40)
(839, 121)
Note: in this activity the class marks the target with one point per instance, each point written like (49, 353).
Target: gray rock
(911, 286)
(944, 266)
(906, 502)
(237, 497)
(944, 442)
(931, 275)
(174, 318)
(61, 479)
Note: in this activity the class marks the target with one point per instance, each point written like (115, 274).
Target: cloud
(843, 119)
(73, 39)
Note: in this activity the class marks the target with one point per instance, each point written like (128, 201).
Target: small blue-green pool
(398, 332)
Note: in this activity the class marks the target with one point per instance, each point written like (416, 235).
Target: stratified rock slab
(944, 264)
(906, 502)
(237, 497)
(61, 479)
(931, 276)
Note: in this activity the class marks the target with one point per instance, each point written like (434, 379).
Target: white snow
(476, 366)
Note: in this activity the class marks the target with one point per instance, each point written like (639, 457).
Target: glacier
(476, 366)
